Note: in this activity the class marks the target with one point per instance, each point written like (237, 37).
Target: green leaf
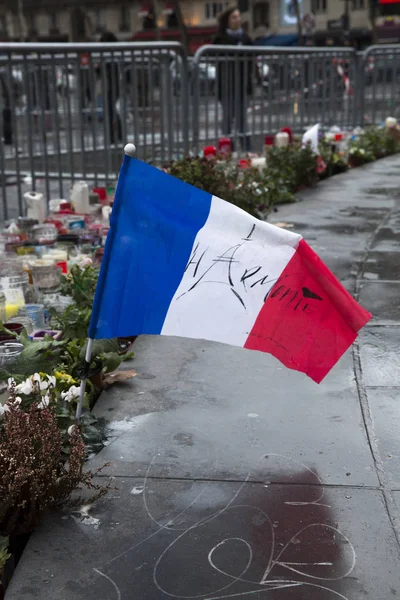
(111, 361)
(4, 554)
(7, 331)
(92, 434)
(88, 418)
(80, 284)
(127, 356)
(3, 543)
(101, 346)
(36, 357)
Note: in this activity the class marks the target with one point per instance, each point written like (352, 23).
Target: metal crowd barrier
(380, 70)
(260, 89)
(68, 109)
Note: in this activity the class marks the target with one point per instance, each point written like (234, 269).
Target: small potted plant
(359, 156)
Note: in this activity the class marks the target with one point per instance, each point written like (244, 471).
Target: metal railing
(68, 109)
(380, 69)
(266, 88)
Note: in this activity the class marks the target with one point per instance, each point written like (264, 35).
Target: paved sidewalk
(238, 478)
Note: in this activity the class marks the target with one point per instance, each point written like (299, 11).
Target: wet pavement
(237, 478)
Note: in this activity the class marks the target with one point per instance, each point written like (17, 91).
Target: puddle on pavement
(361, 212)
(382, 265)
(387, 233)
(386, 245)
(390, 192)
(343, 228)
(350, 229)
(389, 174)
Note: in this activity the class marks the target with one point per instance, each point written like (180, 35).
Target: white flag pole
(129, 150)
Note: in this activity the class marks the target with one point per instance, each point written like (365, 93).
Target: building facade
(335, 21)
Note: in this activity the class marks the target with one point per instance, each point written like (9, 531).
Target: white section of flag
(235, 261)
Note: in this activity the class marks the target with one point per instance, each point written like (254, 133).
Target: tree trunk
(372, 18)
(298, 19)
(182, 27)
(21, 21)
(156, 13)
(347, 13)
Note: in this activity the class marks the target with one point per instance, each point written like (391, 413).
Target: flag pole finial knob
(130, 150)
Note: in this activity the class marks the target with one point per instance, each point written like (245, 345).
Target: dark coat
(235, 75)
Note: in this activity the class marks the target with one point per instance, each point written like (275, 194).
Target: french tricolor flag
(181, 262)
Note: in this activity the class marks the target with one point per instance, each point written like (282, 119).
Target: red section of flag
(308, 320)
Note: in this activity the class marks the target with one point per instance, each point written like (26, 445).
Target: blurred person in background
(111, 92)
(7, 112)
(38, 89)
(235, 76)
(11, 97)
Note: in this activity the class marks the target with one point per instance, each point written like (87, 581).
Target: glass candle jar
(59, 303)
(60, 257)
(26, 323)
(9, 352)
(46, 276)
(34, 312)
(44, 234)
(14, 326)
(16, 290)
(56, 254)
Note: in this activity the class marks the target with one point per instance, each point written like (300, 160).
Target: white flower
(17, 401)
(3, 409)
(52, 381)
(45, 402)
(70, 429)
(72, 393)
(25, 388)
(391, 122)
(10, 382)
(43, 385)
(362, 151)
(83, 261)
(74, 390)
(36, 377)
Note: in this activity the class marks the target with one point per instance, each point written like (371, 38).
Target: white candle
(58, 255)
(282, 139)
(259, 163)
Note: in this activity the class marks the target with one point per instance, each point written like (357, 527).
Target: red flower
(321, 165)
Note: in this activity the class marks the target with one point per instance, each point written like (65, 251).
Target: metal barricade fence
(381, 83)
(68, 110)
(258, 90)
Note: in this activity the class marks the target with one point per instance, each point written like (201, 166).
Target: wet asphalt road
(238, 478)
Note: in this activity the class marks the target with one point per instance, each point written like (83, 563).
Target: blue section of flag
(154, 223)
